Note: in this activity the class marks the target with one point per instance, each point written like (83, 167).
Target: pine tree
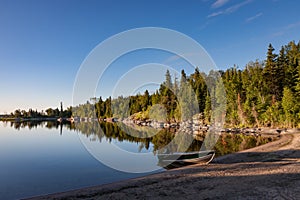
(282, 63)
(271, 75)
(297, 84)
(176, 86)
(168, 82)
(168, 98)
(199, 86)
(108, 111)
(292, 58)
(207, 110)
(253, 85)
(288, 104)
(187, 99)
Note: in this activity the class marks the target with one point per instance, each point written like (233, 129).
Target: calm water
(43, 158)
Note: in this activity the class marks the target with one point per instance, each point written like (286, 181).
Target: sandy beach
(270, 171)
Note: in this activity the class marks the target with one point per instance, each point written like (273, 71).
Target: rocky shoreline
(197, 126)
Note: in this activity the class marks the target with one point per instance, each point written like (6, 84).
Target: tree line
(263, 93)
(48, 113)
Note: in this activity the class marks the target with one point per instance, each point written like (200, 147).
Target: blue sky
(43, 43)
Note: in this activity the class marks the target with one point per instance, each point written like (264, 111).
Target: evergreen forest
(263, 93)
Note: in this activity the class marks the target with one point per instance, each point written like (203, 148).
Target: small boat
(180, 159)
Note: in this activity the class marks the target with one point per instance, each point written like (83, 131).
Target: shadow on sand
(250, 157)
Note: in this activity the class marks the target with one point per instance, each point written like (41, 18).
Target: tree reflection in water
(145, 137)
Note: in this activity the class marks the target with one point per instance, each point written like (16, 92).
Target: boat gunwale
(187, 153)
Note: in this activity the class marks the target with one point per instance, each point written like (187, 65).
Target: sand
(270, 171)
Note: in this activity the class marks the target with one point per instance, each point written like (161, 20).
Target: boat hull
(170, 161)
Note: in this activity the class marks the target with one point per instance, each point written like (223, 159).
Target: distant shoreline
(34, 119)
(228, 129)
(14, 119)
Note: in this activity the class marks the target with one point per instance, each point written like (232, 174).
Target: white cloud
(253, 17)
(174, 58)
(294, 25)
(230, 9)
(219, 3)
(285, 29)
(215, 14)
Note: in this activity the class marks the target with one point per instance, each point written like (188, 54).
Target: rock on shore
(197, 126)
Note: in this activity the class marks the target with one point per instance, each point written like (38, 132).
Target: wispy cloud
(174, 58)
(254, 17)
(219, 3)
(285, 29)
(293, 25)
(230, 9)
(277, 34)
(214, 14)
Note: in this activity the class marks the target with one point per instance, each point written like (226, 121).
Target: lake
(39, 158)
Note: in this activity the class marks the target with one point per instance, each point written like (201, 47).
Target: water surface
(39, 158)
(45, 159)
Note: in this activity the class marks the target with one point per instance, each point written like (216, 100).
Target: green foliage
(157, 112)
(48, 113)
(267, 93)
(262, 94)
(289, 106)
(85, 110)
(167, 96)
(187, 100)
